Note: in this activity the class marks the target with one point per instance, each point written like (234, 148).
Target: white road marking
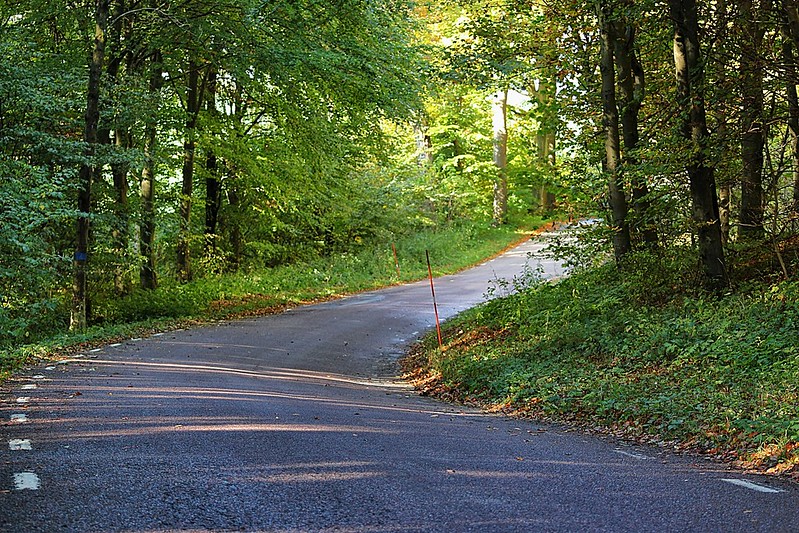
(631, 454)
(19, 444)
(116, 344)
(19, 418)
(24, 399)
(136, 339)
(157, 334)
(29, 386)
(96, 350)
(50, 368)
(38, 376)
(26, 481)
(751, 486)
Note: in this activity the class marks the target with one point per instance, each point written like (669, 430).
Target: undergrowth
(638, 353)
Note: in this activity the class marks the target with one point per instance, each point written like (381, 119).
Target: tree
(80, 296)
(500, 141)
(610, 121)
(753, 135)
(689, 70)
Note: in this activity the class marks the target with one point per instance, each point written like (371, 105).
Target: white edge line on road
(19, 418)
(26, 481)
(751, 486)
(630, 454)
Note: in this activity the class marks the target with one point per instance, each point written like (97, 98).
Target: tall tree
(753, 134)
(500, 141)
(610, 120)
(80, 289)
(148, 277)
(689, 70)
(194, 92)
(630, 74)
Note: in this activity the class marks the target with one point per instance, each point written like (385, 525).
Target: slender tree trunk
(545, 139)
(123, 141)
(752, 131)
(631, 85)
(187, 188)
(725, 196)
(610, 122)
(147, 273)
(120, 234)
(213, 188)
(689, 72)
(789, 47)
(80, 291)
(500, 121)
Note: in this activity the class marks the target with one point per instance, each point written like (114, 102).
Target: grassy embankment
(265, 291)
(638, 357)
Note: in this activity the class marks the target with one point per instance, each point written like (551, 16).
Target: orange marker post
(435, 306)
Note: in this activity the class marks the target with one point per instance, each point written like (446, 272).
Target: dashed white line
(29, 386)
(751, 486)
(37, 376)
(26, 481)
(19, 418)
(115, 345)
(96, 350)
(19, 444)
(24, 399)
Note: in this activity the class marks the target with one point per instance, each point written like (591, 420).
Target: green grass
(257, 292)
(636, 354)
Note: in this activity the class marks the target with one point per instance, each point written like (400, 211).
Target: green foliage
(637, 353)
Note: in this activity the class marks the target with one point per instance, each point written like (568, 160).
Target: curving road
(296, 422)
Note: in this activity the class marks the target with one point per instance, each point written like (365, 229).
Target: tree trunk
(689, 71)
(545, 139)
(213, 189)
(725, 195)
(187, 188)
(147, 273)
(789, 47)
(500, 121)
(752, 130)
(120, 234)
(115, 55)
(630, 96)
(610, 122)
(80, 291)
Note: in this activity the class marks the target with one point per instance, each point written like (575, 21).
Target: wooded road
(297, 422)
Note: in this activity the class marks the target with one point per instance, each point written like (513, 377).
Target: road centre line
(26, 481)
(751, 486)
(19, 444)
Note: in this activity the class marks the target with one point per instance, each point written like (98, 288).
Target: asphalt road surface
(297, 422)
